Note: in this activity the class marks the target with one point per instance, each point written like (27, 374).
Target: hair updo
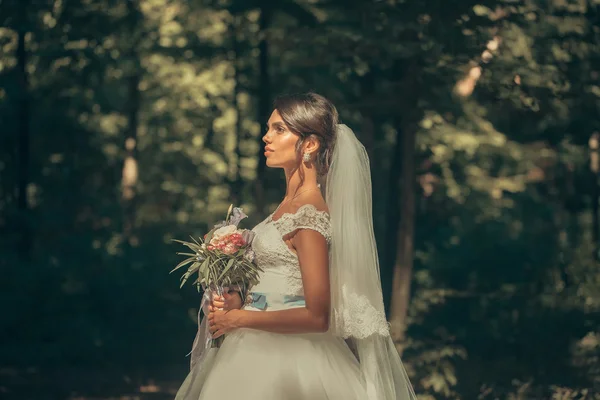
(310, 115)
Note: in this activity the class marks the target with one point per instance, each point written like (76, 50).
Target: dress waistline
(274, 301)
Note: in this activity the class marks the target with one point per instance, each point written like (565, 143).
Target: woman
(314, 326)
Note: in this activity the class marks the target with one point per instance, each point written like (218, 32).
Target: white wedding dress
(258, 365)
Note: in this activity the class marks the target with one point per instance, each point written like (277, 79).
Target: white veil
(357, 311)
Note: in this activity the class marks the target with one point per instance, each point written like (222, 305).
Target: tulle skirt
(258, 365)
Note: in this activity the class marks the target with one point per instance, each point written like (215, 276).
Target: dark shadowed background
(124, 124)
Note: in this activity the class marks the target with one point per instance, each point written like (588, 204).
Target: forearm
(295, 320)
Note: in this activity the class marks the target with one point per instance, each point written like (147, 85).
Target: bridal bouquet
(223, 259)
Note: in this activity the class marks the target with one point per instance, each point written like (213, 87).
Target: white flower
(224, 231)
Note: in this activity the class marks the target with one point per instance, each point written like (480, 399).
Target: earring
(306, 157)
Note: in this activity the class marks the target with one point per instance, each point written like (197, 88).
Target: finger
(218, 303)
(217, 334)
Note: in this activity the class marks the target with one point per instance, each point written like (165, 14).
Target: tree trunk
(237, 186)
(594, 144)
(393, 216)
(130, 165)
(23, 143)
(596, 222)
(404, 259)
(264, 102)
(367, 87)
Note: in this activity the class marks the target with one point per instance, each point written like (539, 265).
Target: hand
(222, 322)
(229, 301)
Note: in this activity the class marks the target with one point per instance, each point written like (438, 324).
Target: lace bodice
(281, 269)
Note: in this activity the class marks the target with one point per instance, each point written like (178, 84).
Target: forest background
(124, 124)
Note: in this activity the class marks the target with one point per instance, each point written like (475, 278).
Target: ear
(311, 145)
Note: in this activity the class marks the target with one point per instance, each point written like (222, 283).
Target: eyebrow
(278, 123)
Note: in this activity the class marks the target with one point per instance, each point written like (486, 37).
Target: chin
(271, 164)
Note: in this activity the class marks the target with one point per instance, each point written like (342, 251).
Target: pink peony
(227, 243)
(230, 249)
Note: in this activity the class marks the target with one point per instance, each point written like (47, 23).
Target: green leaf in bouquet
(227, 267)
(184, 279)
(193, 268)
(198, 282)
(195, 241)
(187, 254)
(204, 265)
(217, 263)
(223, 262)
(192, 246)
(220, 255)
(183, 263)
(204, 274)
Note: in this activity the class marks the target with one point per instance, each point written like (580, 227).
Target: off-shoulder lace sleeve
(306, 217)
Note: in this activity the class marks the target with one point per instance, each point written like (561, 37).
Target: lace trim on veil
(359, 319)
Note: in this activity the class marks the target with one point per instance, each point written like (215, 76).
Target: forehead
(275, 118)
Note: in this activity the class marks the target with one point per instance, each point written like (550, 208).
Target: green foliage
(505, 297)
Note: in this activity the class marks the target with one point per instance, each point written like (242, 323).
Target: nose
(266, 138)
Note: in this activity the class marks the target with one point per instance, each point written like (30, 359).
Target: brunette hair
(310, 115)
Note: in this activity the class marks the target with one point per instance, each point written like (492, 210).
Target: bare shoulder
(314, 199)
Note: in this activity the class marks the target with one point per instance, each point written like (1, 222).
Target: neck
(293, 183)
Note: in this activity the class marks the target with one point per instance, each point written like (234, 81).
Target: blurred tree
(23, 148)
(237, 184)
(476, 116)
(133, 75)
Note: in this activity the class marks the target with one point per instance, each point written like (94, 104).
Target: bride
(314, 327)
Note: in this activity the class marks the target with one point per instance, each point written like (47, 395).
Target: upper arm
(313, 256)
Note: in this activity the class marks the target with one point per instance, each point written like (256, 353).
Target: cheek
(284, 145)
(288, 143)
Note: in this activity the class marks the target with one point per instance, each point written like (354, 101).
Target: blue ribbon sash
(261, 300)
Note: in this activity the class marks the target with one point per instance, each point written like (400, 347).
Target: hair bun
(308, 114)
